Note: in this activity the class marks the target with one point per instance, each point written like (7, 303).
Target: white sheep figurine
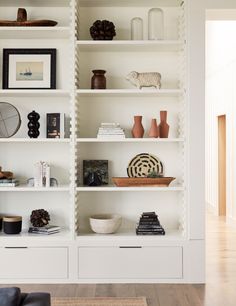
(145, 79)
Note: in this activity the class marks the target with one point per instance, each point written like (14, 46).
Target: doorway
(222, 165)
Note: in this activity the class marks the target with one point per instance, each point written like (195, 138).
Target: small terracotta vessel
(164, 126)
(154, 129)
(98, 80)
(137, 130)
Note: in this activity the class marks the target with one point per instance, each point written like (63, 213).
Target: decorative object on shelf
(95, 172)
(0, 223)
(29, 69)
(9, 183)
(110, 131)
(149, 224)
(39, 218)
(22, 21)
(137, 28)
(137, 130)
(145, 79)
(45, 230)
(12, 225)
(143, 164)
(154, 174)
(105, 223)
(6, 174)
(42, 174)
(154, 129)
(155, 24)
(98, 80)
(103, 30)
(53, 182)
(142, 181)
(10, 120)
(164, 126)
(55, 125)
(33, 124)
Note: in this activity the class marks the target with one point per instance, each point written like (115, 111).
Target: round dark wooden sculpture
(33, 124)
(102, 30)
(39, 217)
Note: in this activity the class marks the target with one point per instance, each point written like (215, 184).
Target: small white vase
(155, 24)
(137, 28)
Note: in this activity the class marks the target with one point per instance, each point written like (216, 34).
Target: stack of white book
(110, 131)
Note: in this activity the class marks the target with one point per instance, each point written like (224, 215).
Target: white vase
(155, 24)
(137, 28)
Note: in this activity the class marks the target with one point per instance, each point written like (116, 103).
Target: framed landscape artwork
(29, 69)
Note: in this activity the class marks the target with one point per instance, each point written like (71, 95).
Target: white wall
(220, 94)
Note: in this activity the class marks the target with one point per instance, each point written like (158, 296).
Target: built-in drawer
(34, 263)
(130, 262)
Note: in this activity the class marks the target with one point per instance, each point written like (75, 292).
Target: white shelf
(125, 3)
(115, 188)
(34, 32)
(130, 45)
(24, 188)
(34, 93)
(131, 140)
(129, 92)
(32, 140)
(35, 3)
(64, 234)
(130, 234)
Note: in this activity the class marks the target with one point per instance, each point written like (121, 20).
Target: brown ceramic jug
(164, 126)
(154, 129)
(138, 130)
(98, 80)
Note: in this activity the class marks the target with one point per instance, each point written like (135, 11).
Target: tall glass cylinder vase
(155, 24)
(137, 28)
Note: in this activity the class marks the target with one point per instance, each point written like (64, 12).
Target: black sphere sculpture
(39, 218)
(33, 124)
(103, 30)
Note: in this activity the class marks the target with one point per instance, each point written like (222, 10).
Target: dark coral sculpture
(103, 30)
(39, 218)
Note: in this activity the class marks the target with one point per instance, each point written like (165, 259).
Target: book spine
(47, 176)
(37, 175)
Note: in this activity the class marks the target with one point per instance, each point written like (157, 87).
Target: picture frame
(29, 69)
(99, 167)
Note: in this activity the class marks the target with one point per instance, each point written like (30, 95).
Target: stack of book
(45, 230)
(9, 183)
(149, 225)
(110, 131)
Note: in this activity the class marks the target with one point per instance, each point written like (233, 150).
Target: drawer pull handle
(130, 247)
(16, 247)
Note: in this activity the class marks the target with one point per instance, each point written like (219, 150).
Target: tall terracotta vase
(154, 129)
(164, 126)
(137, 130)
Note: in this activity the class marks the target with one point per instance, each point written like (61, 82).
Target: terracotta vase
(164, 126)
(98, 80)
(154, 129)
(137, 130)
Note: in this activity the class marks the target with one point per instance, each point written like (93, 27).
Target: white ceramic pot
(105, 223)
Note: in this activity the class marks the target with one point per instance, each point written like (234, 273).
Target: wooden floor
(220, 288)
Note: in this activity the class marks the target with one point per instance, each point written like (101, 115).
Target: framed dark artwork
(95, 172)
(29, 69)
(55, 125)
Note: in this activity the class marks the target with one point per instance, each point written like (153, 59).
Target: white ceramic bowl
(105, 223)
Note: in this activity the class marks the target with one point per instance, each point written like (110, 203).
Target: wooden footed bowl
(23, 22)
(142, 181)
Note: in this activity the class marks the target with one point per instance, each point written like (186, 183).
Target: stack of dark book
(149, 224)
(45, 230)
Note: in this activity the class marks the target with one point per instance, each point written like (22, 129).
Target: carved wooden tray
(142, 181)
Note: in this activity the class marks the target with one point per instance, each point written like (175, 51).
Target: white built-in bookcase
(76, 254)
